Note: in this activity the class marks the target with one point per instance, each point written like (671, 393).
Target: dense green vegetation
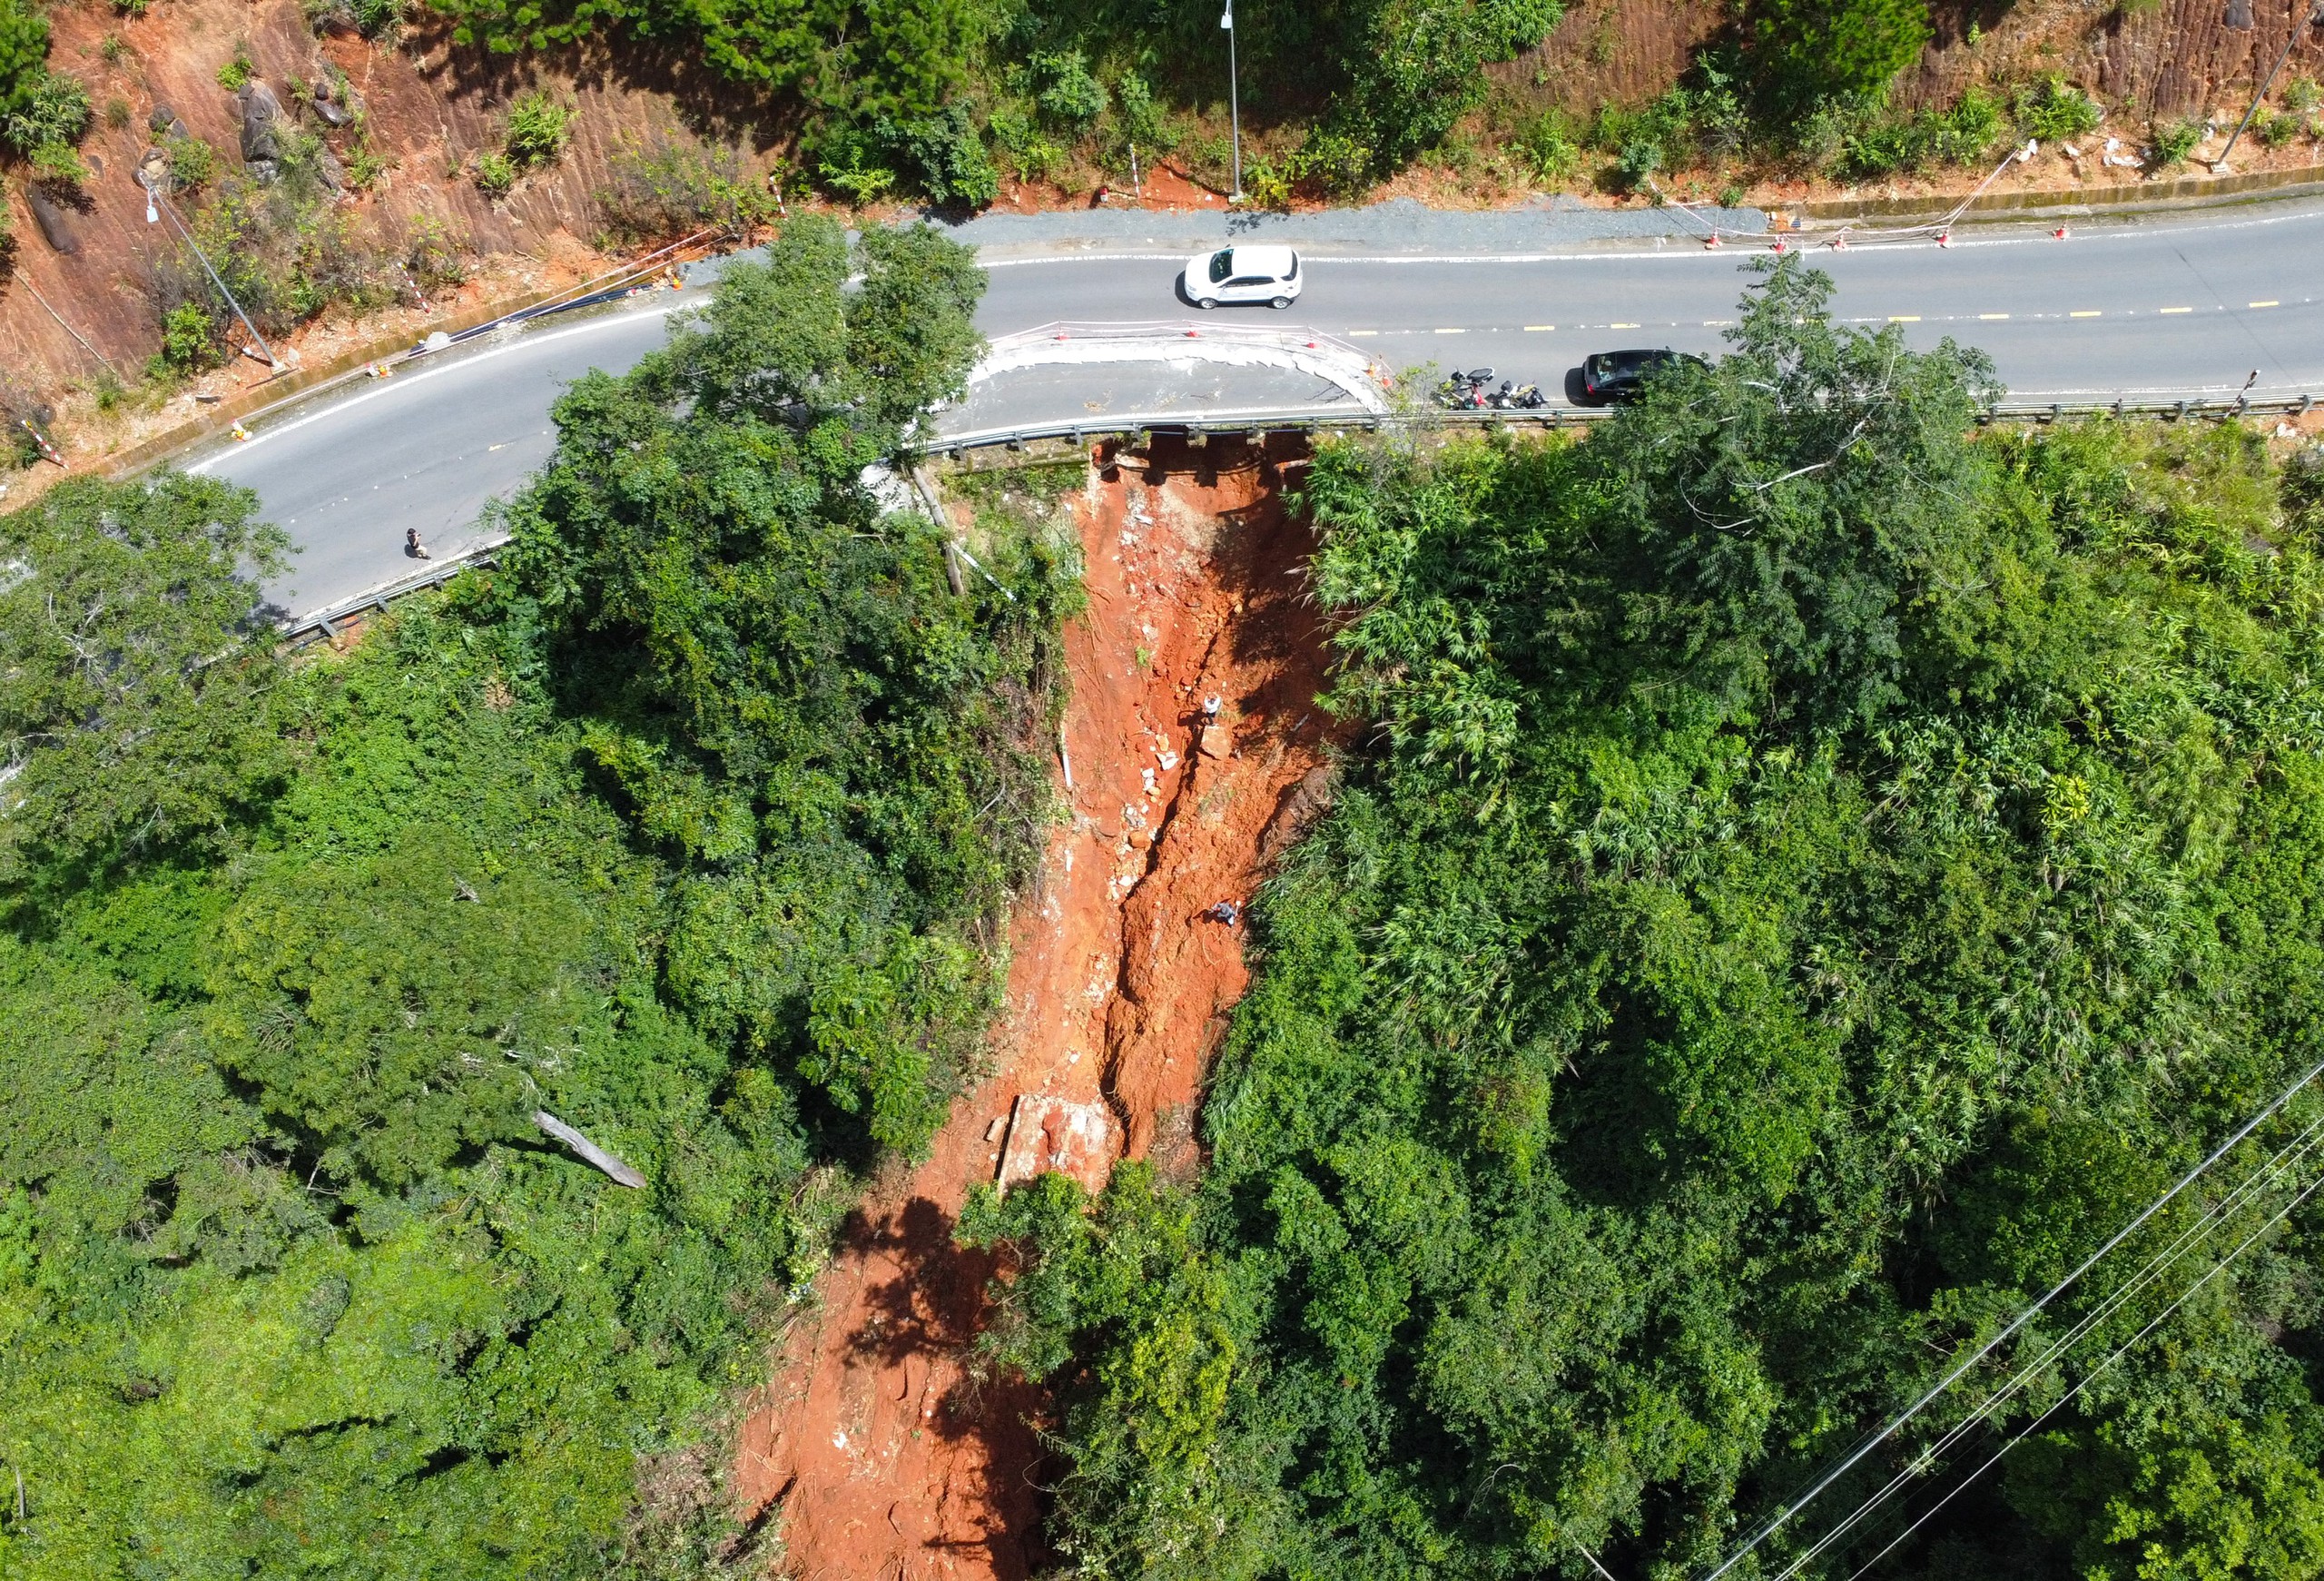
(684, 827)
(1813, 875)
(944, 99)
(885, 92)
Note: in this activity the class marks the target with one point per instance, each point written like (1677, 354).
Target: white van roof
(1274, 261)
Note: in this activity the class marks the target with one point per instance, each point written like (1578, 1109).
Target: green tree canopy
(139, 664)
(1817, 874)
(687, 828)
(1807, 50)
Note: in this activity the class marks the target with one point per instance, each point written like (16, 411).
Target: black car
(1608, 378)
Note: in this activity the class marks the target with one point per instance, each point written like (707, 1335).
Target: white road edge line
(396, 382)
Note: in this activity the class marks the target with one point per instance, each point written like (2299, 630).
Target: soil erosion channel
(891, 1457)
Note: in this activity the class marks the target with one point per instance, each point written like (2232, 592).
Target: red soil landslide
(890, 1459)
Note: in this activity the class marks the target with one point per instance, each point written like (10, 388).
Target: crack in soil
(893, 1451)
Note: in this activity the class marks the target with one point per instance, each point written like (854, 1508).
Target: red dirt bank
(891, 1457)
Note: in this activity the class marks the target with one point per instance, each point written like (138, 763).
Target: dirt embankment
(430, 108)
(889, 1458)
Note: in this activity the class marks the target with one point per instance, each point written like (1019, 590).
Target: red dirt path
(890, 1459)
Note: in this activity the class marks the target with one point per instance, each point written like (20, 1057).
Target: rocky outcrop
(262, 142)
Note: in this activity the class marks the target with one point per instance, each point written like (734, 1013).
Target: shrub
(669, 187)
(374, 19)
(193, 164)
(117, 113)
(1069, 95)
(1143, 122)
(2302, 96)
(1638, 162)
(1332, 163)
(2052, 109)
(2275, 127)
(1546, 146)
(189, 340)
(1265, 184)
(237, 70)
(947, 158)
(539, 127)
(852, 172)
(431, 255)
(366, 163)
(495, 174)
(46, 108)
(287, 250)
(57, 165)
(1020, 146)
(1884, 145)
(2170, 142)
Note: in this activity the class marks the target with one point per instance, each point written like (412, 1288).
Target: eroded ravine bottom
(890, 1459)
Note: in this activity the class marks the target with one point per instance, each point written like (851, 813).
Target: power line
(2285, 1158)
(2020, 1436)
(1848, 1462)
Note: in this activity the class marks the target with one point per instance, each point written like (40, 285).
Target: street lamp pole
(1234, 99)
(157, 201)
(2315, 19)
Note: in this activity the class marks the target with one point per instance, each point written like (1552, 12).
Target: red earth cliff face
(889, 1456)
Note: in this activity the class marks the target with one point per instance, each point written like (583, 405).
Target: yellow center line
(1537, 329)
(1452, 332)
(2266, 304)
(1992, 315)
(1622, 326)
(1904, 317)
(2084, 313)
(2178, 309)
(1364, 331)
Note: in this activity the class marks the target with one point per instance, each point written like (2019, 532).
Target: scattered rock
(165, 123)
(335, 102)
(1217, 741)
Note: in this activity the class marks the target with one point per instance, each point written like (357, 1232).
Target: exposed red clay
(890, 1459)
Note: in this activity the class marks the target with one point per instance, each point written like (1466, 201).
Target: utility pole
(156, 202)
(2292, 38)
(1234, 99)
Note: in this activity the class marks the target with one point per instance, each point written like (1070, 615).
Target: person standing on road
(412, 546)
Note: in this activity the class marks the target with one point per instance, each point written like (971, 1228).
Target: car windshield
(1222, 263)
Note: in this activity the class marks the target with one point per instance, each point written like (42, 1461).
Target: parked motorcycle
(1462, 391)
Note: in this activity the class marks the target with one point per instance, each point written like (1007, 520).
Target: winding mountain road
(2181, 307)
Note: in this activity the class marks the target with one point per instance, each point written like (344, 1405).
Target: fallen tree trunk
(620, 1172)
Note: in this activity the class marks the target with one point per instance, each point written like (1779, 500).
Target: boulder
(165, 123)
(337, 103)
(50, 216)
(262, 145)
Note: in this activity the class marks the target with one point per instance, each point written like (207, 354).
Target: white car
(1242, 274)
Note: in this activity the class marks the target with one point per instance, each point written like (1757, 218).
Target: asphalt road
(2184, 307)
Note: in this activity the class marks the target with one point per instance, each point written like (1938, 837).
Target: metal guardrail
(307, 629)
(1340, 420)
